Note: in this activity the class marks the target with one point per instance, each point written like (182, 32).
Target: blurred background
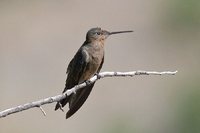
(39, 38)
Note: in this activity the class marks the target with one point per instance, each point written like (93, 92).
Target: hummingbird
(87, 62)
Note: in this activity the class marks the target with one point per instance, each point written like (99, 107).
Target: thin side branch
(44, 113)
(57, 98)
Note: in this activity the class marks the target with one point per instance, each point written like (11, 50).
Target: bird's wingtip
(68, 115)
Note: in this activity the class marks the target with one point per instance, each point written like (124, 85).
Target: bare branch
(57, 98)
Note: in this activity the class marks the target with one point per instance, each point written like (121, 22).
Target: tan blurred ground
(38, 39)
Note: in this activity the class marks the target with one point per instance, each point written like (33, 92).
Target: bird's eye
(98, 33)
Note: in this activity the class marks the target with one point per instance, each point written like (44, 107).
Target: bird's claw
(88, 82)
(98, 76)
(74, 91)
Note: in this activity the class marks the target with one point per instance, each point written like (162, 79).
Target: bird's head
(97, 34)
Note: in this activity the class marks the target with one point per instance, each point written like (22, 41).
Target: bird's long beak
(107, 33)
(118, 32)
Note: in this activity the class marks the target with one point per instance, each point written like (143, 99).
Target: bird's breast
(95, 57)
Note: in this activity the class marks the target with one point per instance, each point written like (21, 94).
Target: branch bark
(57, 98)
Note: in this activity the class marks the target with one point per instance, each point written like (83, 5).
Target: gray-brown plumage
(86, 62)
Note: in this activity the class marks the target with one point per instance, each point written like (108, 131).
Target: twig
(44, 113)
(57, 98)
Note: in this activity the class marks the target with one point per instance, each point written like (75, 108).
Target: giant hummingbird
(86, 63)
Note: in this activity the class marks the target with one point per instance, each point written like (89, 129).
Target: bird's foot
(71, 91)
(98, 76)
(88, 82)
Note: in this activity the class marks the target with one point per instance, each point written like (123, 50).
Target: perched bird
(86, 63)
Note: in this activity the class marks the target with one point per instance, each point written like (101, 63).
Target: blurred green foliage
(119, 125)
(188, 112)
(184, 14)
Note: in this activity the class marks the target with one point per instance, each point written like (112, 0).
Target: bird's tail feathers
(80, 101)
